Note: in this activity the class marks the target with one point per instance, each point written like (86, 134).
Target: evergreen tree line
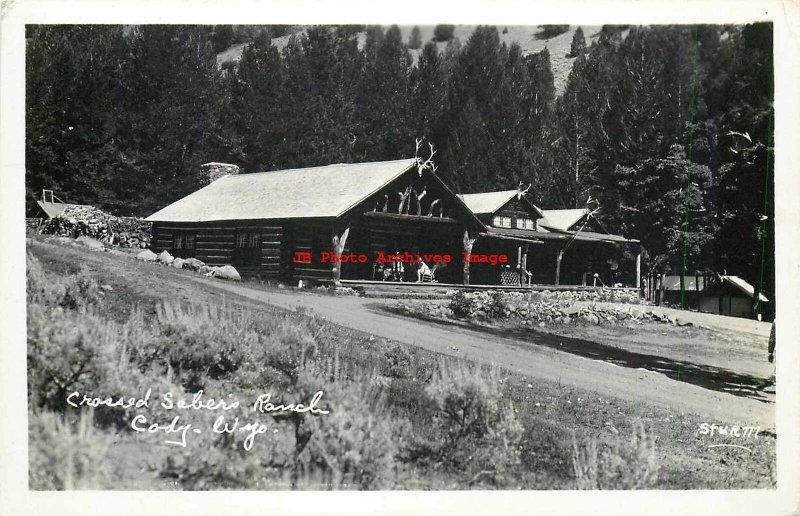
(666, 129)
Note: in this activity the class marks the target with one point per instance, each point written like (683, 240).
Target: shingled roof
(489, 202)
(54, 209)
(562, 219)
(316, 192)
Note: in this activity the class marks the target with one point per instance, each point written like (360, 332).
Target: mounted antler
(428, 163)
(520, 191)
(422, 194)
(403, 198)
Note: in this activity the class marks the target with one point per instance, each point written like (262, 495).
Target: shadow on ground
(706, 376)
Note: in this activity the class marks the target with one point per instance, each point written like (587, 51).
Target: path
(545, 362)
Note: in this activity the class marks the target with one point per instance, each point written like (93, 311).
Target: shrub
(481, 432)
(220, 461)
(498, 306)
(65, 456)
(78, 292)
(356, 444)
(66, 352)
(623, 465)
(401, 363)
(198, 343)
(462, 304)
(551, 31)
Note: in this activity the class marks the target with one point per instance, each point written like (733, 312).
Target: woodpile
(89, 221)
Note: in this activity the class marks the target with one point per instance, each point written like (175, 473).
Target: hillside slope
(525, 35)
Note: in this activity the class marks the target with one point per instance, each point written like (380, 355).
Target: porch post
(558, 265)
(639, 270)
(468, 243)
(525, 265)
(338, 248)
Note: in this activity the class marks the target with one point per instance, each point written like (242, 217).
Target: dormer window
(525, 223)
(502, 221)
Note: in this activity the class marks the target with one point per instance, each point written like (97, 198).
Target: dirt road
(525, 357)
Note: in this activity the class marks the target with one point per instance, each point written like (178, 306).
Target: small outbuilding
(729, 295)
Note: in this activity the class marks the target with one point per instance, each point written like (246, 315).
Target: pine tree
(473, 118)
(429, 94)
(578, 46)
(71, 73)
(256, 88)
(321, 74)
(415, 39)
(167, 114)
(668, 219)
(383, 103)
(443, 32)
(581, 144)
(744, 183)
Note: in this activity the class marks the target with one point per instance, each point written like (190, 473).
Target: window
(525, 223)
(248, 240)
(501, 221)
(183, 244)
(247, 248)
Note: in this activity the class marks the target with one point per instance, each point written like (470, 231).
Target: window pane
(189, 241)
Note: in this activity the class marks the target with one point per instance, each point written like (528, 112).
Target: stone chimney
(210, 172)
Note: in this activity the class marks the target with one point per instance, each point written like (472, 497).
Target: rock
(147, 255)
(165, 257)
(177, 263)
(681, 322)
(592, 318)
(107, 288)
(227, 272)
(206, 270)
(91, 243)
(193, 264)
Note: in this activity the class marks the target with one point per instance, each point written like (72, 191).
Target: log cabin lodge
(258, 222)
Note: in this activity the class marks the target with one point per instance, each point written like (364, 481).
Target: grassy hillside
(527, 36)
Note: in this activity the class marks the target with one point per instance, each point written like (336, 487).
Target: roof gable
(563, 220)
(488, 203)
(316, 192)
(738, 284)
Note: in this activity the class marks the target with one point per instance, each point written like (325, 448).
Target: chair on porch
(427, 274)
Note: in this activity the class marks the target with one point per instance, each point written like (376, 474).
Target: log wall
(215, 244)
